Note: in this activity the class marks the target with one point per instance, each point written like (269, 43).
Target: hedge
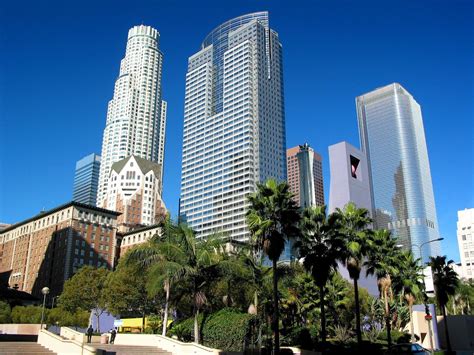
(227, 329)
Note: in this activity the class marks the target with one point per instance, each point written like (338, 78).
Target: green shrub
(27, 315)
(298, 336)
(398, 337)
(5, 312)
(227, 329)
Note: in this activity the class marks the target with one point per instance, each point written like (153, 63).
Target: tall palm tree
(408, 283)
(320, 245)
(382, 255)
(354, 227)
(160, 257)
(445, 281)
(272, 219)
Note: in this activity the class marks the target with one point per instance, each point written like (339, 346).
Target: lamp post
(44, 291)
(428, 316)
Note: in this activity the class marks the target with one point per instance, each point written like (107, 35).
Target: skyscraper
(465, 232)
(136, 116)
(234, 123)
(305, 175)
(86, 180)
(393, 138)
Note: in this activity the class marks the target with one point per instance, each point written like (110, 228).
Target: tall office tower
(465, 232)
(86, 179)
(136, 116)
(349, 177)
(393, 138)
(305, 175)
(234, 124)
(134, 190)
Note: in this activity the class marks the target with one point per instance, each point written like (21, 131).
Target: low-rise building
(136, 237)
(49, 248)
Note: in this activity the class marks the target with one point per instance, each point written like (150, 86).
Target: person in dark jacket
(89, 333)
(113, 333)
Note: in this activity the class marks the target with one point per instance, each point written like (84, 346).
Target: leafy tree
(408, 283)
(320, 245)
(354, 223)
(445, 281)
(272, 219)
(382, 261)
(462, 300)
(85, 290)
(125, 291)
(5, 312)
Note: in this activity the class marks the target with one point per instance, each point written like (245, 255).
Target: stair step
(13, 348)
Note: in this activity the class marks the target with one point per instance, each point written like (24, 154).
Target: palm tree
(353, 226)
(408, 282)
(320, 246)
(272, 219)
(382, 255)
(160, 258)
(445, 281)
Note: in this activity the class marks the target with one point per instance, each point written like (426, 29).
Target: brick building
(49, 248)
(137, 237)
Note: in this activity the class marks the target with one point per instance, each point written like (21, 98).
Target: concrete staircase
(17, 347)
(112, 349)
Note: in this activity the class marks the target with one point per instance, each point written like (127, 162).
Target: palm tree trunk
(412, 325)
(446, 331)
(323, 314)
(196, 326)
(357, 304)
(276, 331)
(388, 322)
(167, 301)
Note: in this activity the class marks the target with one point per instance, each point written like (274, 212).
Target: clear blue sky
(59, 61)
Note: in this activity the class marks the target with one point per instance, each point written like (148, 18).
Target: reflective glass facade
(234, 125)
(393, 138)
(86, 180)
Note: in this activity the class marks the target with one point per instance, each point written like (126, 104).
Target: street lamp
(428, 316)
(44, 291)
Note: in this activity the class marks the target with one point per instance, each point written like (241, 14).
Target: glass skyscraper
(393, 138)
(86, 179)
(234, 124)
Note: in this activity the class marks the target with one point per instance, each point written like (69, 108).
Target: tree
(354, 223)
(408, 282)
(445, 281)
(63, 317)
(382, 261)
(159, 260)
(320, 245)
(85, 291)
(125, 291)
(272, 219)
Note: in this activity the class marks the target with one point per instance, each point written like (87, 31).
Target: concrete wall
(62, 346)
(24, 329)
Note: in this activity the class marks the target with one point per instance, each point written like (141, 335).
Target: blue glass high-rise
(86, 180)
(393, 138)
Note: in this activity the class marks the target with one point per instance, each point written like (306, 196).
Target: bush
(5, 312)
(27, 315)
(227, 329)
(398, 337)
(62, 317)
(298, 336)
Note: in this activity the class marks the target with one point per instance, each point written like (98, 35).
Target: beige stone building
(49, 248)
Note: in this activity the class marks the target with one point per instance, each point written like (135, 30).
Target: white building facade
(234, 124)
(465, 233)
(135, 190)
(136, 116)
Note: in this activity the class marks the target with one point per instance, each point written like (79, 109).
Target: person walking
(113, 333)
(89, 333)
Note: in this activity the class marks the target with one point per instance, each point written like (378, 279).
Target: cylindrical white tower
(136, 115)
